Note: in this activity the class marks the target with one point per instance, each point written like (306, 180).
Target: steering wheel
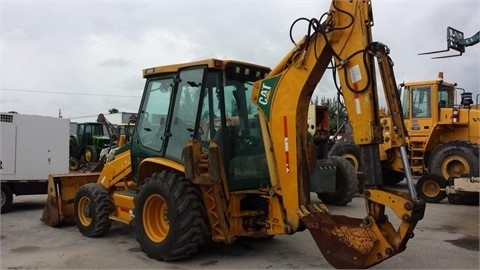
(416, 111)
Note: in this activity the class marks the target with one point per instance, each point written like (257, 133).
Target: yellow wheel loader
(221, 150)
(443, 140)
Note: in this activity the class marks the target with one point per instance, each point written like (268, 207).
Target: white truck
(31, 148)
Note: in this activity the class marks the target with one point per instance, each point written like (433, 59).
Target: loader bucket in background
(354, 243)
(61, 196)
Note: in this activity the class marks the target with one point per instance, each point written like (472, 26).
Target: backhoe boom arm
(283, 98)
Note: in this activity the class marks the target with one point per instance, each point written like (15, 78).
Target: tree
(337, 111)
(113, 110)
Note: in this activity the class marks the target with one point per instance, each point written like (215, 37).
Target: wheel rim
(455, 166)
(155, 220)
(85, 211)
(88, 155)
(353, 160)
(430, 188)
(73, 165)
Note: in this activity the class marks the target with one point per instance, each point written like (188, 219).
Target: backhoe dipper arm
(283, 98)
(108, 126)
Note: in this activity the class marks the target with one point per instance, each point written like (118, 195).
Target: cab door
(417, 107)
(166, 120)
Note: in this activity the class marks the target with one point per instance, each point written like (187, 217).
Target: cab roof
(211, 63)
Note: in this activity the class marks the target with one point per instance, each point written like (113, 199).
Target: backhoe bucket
(61, 196)
(355, 243)
(342, 240)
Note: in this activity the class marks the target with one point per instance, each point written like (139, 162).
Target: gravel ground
(447, 238)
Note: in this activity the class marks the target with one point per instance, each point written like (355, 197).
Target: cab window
(184, 111)
(445, 97)
(404, 94)
(421, 100)
(153, 117)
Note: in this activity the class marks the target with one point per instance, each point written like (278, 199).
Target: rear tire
(455, 158)
(91, 154)
(351, 152)
(348, 151)
(92, 208)
(346, 184)
(7, 198)
(170, 220)
(75, 150)
(431, 188)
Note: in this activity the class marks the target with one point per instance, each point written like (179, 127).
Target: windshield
(421, 101)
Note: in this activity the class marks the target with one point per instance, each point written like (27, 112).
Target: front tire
(91, 154)
(92, 208)
(73, 164)
(455, 158)
(431, 188)
(170, 220)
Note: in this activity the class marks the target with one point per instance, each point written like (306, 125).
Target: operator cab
(423, 102)
(421, 99)
(208, 101)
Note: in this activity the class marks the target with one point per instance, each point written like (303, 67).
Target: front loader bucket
(347, 242)
(61, 196)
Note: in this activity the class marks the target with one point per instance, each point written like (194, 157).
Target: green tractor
(87, 143)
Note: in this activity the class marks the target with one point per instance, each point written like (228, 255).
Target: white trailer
(31, 148)
(463, 190)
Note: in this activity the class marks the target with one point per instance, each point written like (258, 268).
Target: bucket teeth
(302, 212)
(313, 209)
(321, 208)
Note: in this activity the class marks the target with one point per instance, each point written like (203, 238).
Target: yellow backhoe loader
(221, 150)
